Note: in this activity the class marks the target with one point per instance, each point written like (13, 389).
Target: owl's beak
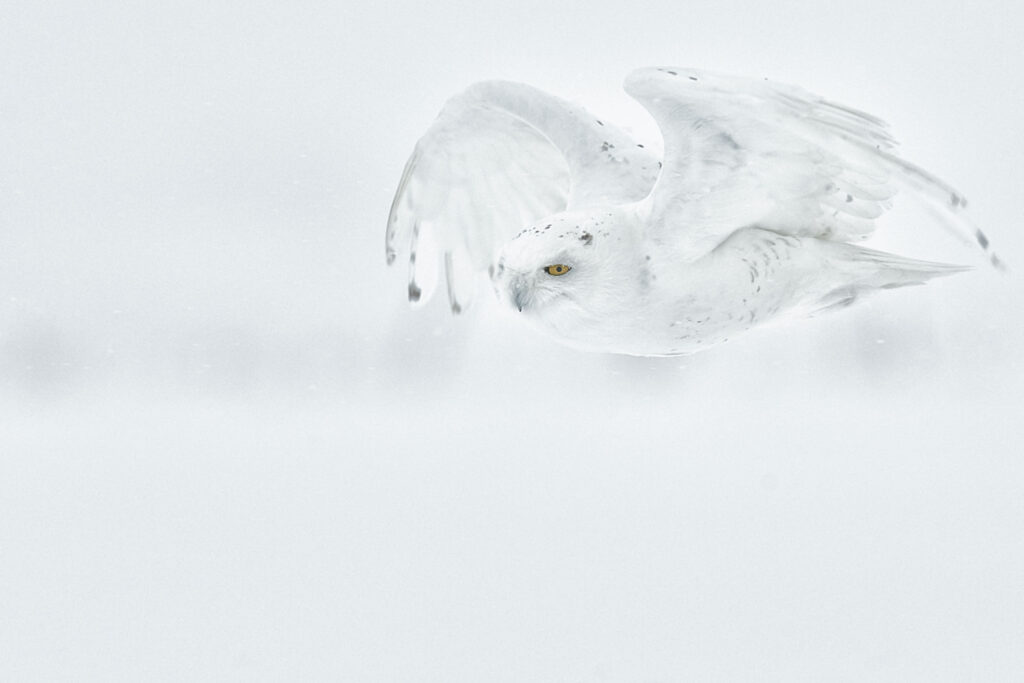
(520, 294)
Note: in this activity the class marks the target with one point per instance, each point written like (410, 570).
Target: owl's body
(750, 216)
(659, 305)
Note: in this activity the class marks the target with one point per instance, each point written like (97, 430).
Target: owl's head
(567, 267)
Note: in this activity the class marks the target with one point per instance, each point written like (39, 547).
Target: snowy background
(230, 451)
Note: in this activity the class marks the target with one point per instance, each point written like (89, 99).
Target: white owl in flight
(749, 216)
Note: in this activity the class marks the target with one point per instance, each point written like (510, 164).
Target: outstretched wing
(500, 156)
(742, 152)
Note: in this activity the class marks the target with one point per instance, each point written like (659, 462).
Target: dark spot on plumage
(456, 308)
(647, 257)
(547, 227)
(693, 78)
(605, 146)
(412, 258)
(729, 141)
(640, 146)
(849, 198)
(659, 164)
(671, 72)
(957, 200)
(586, 238)
(982, 240)
(414, 292)
(599, 122)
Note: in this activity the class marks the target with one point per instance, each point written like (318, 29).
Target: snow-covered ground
(230, 451)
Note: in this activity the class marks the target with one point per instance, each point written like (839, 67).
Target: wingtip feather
(397, 225)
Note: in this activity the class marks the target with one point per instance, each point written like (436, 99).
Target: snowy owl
(749, 215)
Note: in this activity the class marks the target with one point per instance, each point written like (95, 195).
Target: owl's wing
(500, 156)
(743, 152)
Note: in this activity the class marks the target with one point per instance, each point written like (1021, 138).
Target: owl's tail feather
(881, 270)
(868, 270)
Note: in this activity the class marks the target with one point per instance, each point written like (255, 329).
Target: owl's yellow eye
(557, 269)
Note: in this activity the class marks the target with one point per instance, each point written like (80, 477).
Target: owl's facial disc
(544, 264)
(531, 277)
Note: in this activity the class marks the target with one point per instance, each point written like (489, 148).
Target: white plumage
(749, 216)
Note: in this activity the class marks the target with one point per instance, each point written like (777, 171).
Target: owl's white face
(569, 273)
